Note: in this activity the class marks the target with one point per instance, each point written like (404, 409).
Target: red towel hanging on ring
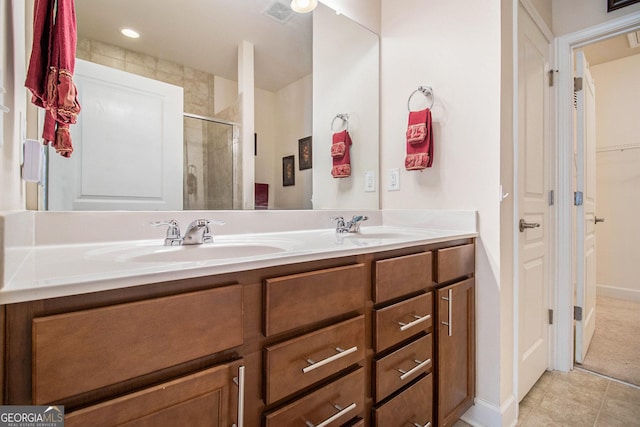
(419, 140)
(51, 67)
(340, 152)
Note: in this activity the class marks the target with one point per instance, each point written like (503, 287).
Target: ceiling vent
(279, 11)
(634, 39)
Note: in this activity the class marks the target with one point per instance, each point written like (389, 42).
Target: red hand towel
(51, 67)
(419, 140)
(341, 156)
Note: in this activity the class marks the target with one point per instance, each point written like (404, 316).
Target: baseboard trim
(617, 292)
(484, 413)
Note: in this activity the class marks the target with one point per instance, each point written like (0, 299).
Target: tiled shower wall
(198, 85)
(198, 99)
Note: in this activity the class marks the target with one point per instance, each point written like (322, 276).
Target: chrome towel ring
(345, 121)
(427, 91)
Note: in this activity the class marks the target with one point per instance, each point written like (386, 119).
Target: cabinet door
(206, 398)
(456, 350)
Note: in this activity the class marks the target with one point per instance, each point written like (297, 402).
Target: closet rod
(619, 148)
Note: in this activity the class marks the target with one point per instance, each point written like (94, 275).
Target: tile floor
(578, 399)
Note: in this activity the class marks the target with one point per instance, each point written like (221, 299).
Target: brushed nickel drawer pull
(419, 319)
(341, 353)
(239, 380)
(341, 412)
(406, 374)
(449, 323)
(420, 425)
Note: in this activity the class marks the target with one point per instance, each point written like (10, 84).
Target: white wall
(294, 118)
(364, 12)
(457, 51)
(618, 179)
(267, 134)
(225, 93)
(12, 60)
(574, 15)
(345, 80)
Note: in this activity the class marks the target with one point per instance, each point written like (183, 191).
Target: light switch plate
(369, 182)
(394, 180)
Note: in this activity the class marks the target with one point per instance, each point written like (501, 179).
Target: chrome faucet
(352, 226)
(173, 232)
(198, 232)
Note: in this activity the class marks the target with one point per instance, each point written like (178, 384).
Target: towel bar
(345, 121)
(427, 91)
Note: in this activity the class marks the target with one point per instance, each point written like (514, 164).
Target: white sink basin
(374, 235)
(221, 249)
(203, 252)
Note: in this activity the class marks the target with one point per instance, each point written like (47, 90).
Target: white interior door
(128, 145)
(585, 212)
(533, 188)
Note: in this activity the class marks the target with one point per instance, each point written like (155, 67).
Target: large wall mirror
(162, 120)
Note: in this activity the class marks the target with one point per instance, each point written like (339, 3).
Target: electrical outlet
(369, 182)
(394, 180)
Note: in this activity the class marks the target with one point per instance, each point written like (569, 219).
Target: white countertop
(58, 269)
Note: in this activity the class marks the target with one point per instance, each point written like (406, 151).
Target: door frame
(563, 357)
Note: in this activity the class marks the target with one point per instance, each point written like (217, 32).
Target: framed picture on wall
(304, 153)
(617, 4)
(288, 171)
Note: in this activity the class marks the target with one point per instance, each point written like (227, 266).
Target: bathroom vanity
(377, 331)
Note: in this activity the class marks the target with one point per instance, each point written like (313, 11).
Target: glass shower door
(208, 164)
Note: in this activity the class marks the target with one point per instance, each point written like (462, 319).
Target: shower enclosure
(210, 156)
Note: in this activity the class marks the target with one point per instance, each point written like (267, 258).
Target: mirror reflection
(218, 143)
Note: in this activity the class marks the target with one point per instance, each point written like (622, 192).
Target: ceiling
(609, 50)
(204, 35)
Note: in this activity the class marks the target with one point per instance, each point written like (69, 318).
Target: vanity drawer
(287, 365)
(82, 351)
(400, 321)
(200, 399)
(303, 299)
(455, 262)
(414, 406)
(402, 366)
(400, 276)
(347, 393)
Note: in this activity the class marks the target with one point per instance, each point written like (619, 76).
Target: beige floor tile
(461, 423)
(621, 406)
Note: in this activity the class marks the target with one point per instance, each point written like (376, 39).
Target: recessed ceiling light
(303, 6)
(128, 32)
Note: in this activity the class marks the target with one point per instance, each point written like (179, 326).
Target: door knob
(524, 225)
(598, 219)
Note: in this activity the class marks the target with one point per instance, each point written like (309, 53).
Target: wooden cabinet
(403, 383)
(455, 334)
(402, 366)
(412, 407)
(301, 299)
(311, 358)
(402, 320)
(206, 398)
(384, 339)
(85, 350)
(300, 362)
(331, 405)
